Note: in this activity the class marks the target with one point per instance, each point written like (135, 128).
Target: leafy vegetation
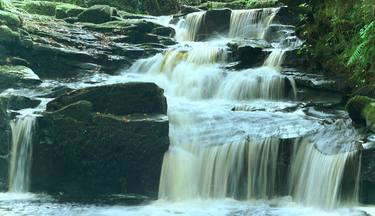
(341, 37)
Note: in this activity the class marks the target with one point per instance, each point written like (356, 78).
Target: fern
(360, 54)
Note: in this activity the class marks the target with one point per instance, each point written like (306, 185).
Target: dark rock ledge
(102, 140)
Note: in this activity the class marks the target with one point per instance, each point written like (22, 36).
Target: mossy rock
(17, 76)
(16, 102)
(362, 110)
(40, 7)
(68, 10)
(97, 14)
(7, 35)
(9, 19)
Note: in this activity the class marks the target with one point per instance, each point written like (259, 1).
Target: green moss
(68, 10)
(9, 19)
(7, 35)
(341, 37)
(362, 110)
(39, 7)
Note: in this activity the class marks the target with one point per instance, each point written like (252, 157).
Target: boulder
(215, 22)
(17, 76)
(97, 14)
(117, 99)
(102, 140)
(68, 10)
(9, 19)
(7, 35)
(361, 110)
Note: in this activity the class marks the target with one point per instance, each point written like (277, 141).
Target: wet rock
(97, 14)
(247, 55)
(361, 110)
(120, 99)
(16, 102)
(277, 32)
(102, 140)
(215, 22)
(367, 177)
(56, 49)
(17, 76)
(318, 81)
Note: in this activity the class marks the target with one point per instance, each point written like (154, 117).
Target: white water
(188, 28)
(315, 178)
(251, 23)
(225, 130)
(21, 154)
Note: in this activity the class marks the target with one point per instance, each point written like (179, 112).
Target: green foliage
(340, 34)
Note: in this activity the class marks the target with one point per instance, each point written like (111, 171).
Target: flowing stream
(234, 149)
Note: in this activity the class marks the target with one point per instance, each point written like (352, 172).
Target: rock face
(367, 191)
(107, 139)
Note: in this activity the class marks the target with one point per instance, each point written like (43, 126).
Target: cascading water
(21, 153)
(219, 158)
(251, 23)
(232, 132)
(189, 27)
(244, 169)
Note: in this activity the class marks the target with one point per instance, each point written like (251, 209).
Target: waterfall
(21, 154)
(317, 179)
(251, 23)
(188, 28)
(261, 82)
(245, 169)
(275, 59)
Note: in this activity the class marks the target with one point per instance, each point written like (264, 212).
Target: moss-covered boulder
(97, 14)
(17, 76)
(7, 35)
(68, 10)
(9, 19)
(362, 110)
(39, 7)
(102, 140)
